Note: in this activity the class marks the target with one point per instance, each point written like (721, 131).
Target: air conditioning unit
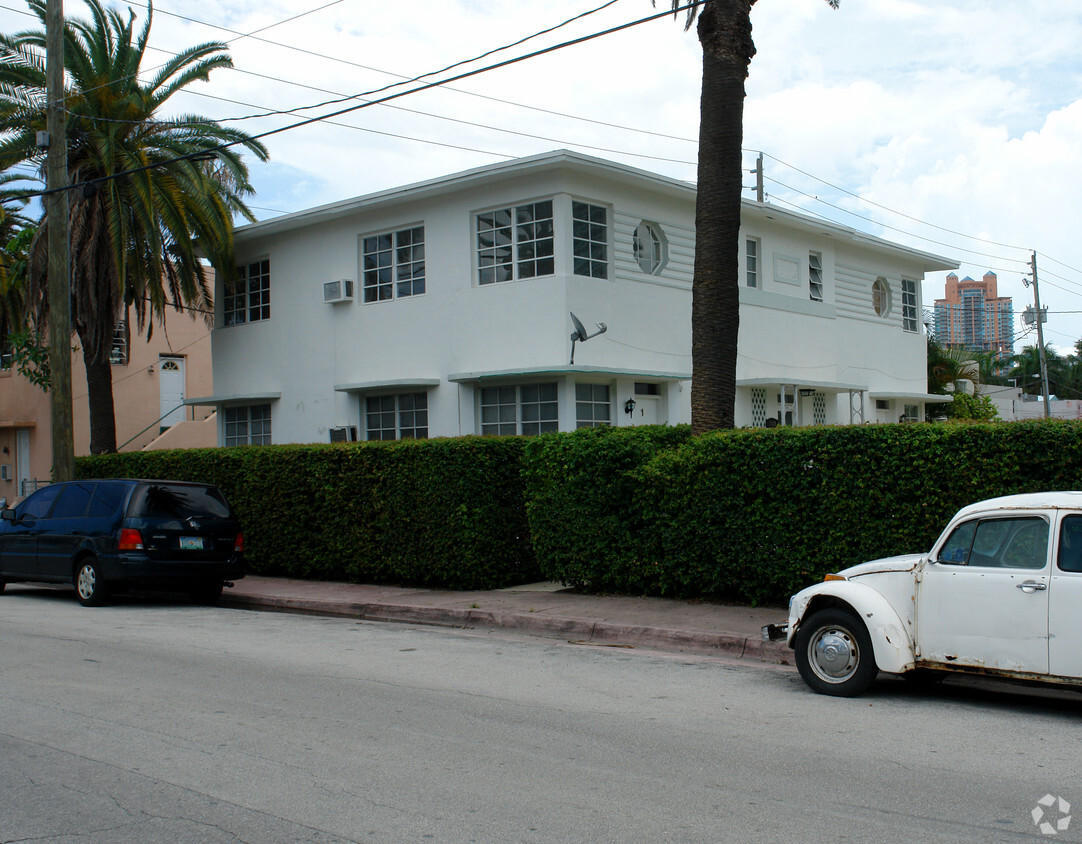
(338, 291)
(5, 471)
(344, 434)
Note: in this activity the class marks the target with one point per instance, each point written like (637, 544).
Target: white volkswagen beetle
(1000, 593)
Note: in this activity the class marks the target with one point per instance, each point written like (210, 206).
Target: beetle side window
(1070, 544)
(957, 547)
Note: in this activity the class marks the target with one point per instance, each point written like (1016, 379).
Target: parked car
(103, 536)
(998, 594)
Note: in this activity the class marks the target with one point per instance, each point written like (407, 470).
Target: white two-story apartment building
(444, 308)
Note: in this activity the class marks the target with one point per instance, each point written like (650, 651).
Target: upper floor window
(909, 305)
(401, 417)
(118, 352)
(515, 243)
(248, 298)
(248, 425)
(815, 276)
(751, 261)
(394, 264)
(648, 244)
(881, 297)
(526, 409)
(590, 239)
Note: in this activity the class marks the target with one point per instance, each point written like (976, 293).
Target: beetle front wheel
(834, 653)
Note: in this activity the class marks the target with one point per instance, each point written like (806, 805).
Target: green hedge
(748, 516)
(446, 513)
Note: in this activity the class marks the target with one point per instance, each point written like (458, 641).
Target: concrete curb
(585, 630)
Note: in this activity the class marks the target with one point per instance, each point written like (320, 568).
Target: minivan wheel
(90, 588)
(206, 593)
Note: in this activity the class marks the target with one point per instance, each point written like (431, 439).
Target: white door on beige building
(171, 390)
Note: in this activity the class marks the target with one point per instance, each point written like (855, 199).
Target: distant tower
(974, 316)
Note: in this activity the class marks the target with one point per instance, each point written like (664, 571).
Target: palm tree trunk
(724, 30)
(99, 385)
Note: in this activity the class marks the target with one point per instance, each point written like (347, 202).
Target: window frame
(753, 262)
(815, 277)
(593, 404)
(244, 304)
(398, 414)
(523, 404)
(910, 321)
(524, 235)
(589, 239)
(653, 260)
(414, 266)
(263, 437)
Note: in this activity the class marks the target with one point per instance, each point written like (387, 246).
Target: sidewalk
(540, 609)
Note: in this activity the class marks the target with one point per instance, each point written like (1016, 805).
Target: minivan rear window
(108, 497)
(169, 501)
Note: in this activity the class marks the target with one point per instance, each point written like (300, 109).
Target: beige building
(151, 379)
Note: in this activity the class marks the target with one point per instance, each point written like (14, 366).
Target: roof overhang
(569, 369)
(803, 383)
(395, 384)
(932, 398)
(234, 398)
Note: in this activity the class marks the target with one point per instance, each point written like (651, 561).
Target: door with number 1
(171, 391)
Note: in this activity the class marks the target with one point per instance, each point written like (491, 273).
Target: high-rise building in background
(972, 315)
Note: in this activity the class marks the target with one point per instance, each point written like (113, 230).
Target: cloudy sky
(953, 126)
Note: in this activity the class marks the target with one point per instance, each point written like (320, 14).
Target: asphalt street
(154, 720)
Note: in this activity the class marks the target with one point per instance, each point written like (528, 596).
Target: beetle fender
(891, 643)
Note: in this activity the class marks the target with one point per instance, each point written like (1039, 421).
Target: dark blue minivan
(103, 536)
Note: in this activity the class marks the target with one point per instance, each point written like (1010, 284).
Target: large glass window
(399, 417)
(592, 405)
(118, 352)
(248, 425)
(515, 243)
(590, 240)
(523, 409)
(394, 264)
(248, 298)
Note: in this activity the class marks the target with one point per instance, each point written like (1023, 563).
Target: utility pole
(59, 272)
(759, 193)
(1040, 332)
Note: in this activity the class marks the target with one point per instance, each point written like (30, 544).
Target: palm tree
(1027, 369)
(145, 207)
(946, 367)
(724, 30)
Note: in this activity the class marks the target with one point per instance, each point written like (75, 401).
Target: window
(909, 305)
(37, 505)
(815, 276)
(910, 413)
(249, 425)
(248, 298)
(118, 352)
(1019, 543)
(751, 255)
(401, 417)
(881, 297)
(590, 240)
(73, 501)
(515, 243)
(592, 406)
(1070, 544)
(394, 264)
(649, 247)
(527, 409)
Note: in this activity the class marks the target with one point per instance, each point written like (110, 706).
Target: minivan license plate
(191, 543)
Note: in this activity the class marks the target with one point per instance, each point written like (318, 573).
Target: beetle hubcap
(833, 654)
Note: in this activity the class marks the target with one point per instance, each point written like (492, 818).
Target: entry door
(171, 391)
(984, 602)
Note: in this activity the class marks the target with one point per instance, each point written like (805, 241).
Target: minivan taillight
(130, 540)
(238, 544)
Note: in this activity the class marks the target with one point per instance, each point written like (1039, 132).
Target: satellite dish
(579, 334)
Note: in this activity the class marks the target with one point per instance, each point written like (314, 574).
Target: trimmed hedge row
(748, 516)
(441, 513)
(753, 516)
